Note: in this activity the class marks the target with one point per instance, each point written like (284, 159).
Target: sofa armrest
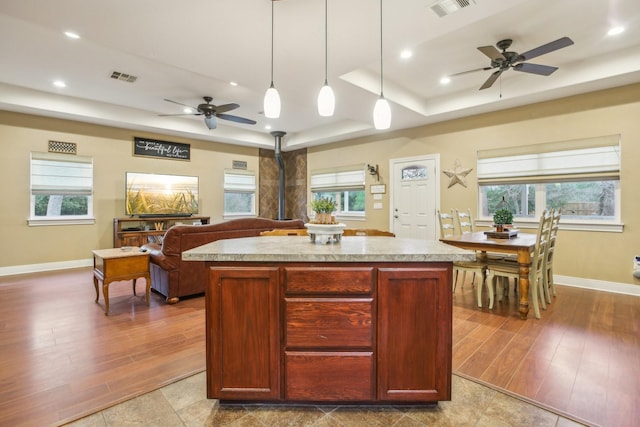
(166, 262)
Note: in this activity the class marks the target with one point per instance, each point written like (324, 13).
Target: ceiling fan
(509, 59)
(210, 112)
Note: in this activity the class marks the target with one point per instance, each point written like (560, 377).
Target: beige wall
(593, 255)
(111, 150)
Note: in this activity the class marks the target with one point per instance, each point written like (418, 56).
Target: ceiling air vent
(447, 7)
(123, 77)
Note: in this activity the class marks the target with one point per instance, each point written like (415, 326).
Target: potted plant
(323, 207)
(502, 217)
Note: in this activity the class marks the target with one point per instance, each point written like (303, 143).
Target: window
(343, 185)
(581, 177)
(61, 189)
(239, 193)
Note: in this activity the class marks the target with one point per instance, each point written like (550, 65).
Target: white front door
(415, 196)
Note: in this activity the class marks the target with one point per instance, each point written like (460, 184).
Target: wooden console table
(112, 265)
(366, 320)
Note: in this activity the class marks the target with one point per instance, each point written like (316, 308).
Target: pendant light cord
(326, 42)
(381, 78)
(272, 42)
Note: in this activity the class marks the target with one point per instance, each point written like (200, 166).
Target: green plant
(323, 205)
(502, 216)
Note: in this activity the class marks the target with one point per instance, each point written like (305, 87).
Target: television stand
(139, 231)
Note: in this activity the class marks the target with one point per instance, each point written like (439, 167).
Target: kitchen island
(365, 320)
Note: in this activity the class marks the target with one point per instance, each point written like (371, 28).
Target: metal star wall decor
(457, 174)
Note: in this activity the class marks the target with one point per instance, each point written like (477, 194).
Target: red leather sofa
(175, 278)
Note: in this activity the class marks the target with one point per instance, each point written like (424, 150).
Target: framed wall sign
(378, 189)
(163, 149)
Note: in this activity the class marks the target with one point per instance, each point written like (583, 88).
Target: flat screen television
(151, 194)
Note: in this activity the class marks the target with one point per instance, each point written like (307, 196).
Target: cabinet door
(243, 359)
(414, 333)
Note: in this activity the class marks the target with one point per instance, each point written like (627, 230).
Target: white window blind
(336, 179)
(61, 174)
(588, 158)
(239, 181)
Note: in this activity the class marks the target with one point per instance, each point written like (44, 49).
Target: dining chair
(549, 285)
(285, 232)
(366, 232)
(448, 228)
(536, 272)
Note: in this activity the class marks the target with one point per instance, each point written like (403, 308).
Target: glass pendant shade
(272, 103)
(326, 101)
(382, 114)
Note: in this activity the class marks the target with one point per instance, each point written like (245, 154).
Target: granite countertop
(349, 249)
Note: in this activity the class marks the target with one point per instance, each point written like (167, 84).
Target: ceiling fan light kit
(382, 110)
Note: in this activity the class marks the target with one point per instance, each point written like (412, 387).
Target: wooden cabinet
(139, 231)
(243, 340)
(329, 332)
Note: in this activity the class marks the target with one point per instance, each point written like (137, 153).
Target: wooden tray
(502, 234)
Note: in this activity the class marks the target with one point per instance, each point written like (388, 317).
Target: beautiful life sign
(164, 149)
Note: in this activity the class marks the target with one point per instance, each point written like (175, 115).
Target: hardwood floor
(62, 358)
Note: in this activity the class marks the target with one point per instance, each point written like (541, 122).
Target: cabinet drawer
(328, 322)
(126, 266)
(329, 376)
(323, 280)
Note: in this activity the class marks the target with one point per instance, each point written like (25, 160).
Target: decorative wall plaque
(164, 149)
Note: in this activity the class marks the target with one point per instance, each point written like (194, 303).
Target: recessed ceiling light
(267, 127)
(406, 54)
(71, 35)
(445, 80)
(59, 83)
(233, 83)
(614, 31)
(187, 110)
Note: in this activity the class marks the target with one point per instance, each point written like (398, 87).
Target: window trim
(237, 188)
(593, 159)
(339, 180)
(38, 189)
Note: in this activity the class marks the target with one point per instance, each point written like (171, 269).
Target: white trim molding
(598, 285)
(578, 282)
(48, 266)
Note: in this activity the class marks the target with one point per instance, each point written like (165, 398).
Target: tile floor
(184, 404)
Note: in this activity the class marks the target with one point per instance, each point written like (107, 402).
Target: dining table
(520, 244)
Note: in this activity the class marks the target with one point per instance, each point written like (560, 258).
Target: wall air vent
(123, 77)
(63, 147)
(447, 7)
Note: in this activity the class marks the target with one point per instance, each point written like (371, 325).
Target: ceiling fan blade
(183, 114)
(543, 70)
(491, 52)
(226, 107)
(180, 103)
(492, 78)
(470, 71)
(545, 48)
(211, 122)
(236, 119)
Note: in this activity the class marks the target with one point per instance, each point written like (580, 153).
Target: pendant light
(272, 97)
(382, 110)
(326, 98)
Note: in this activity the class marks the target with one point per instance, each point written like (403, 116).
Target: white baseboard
(578, 282)
(49, 266)
(598, 285)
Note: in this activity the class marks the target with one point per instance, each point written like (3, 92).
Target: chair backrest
(465, 222)
(542, 242)
(553, 234)
(447, 224)
(285, 232)
(366, 232)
